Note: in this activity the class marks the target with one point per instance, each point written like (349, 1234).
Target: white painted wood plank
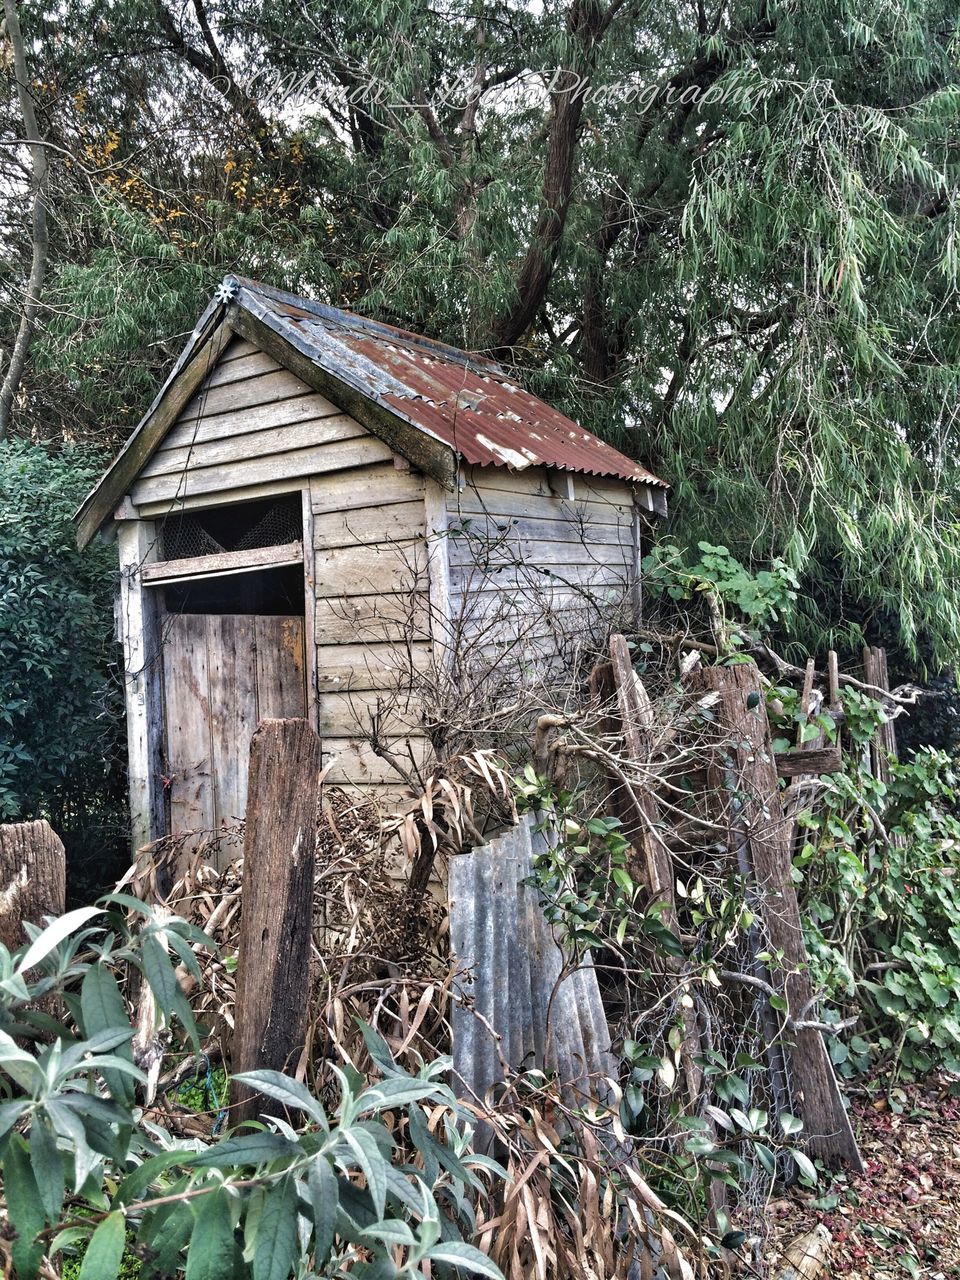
(438, 569)
(279, 413)
(225, 562)
(383, 616)
(253, 446)
(569, 529)
(390, 566)
(267, 388)
(241, 367)
(386, 521)
(237, 349)
(358, 713)
(137, 546)
(355, 763)
(507, 550)
(384, 667)
(218, 498)
(287, 467)
(371, 485)
(309, 597)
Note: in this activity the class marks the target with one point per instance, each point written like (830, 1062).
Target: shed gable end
(252, 422)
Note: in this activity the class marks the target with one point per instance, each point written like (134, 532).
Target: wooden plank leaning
(275, 931)
(758, 822)
(639, 814)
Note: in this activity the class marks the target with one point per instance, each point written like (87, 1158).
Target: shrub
(85, 1170)
(61, 713)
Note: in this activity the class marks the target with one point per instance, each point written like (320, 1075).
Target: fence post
(273, 968)
(32, 878)
(757, 823)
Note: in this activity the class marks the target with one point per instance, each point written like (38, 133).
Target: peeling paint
(462, 399)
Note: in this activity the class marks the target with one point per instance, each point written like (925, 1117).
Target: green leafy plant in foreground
(879, 873)
(84, 1171)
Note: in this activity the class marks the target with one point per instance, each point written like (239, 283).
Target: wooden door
(222, 674)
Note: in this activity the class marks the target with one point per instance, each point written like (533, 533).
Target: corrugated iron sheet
(466, 401)
(514, 1009)
(509, 972)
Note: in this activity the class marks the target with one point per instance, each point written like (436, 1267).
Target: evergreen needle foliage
(724, 236)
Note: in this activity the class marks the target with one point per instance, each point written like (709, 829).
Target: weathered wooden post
(757, 820)
(279, 848)
(32, 878)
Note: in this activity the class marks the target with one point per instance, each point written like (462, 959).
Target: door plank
(187, 715)
(281, 686)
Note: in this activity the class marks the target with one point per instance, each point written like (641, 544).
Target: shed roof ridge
(352, 320)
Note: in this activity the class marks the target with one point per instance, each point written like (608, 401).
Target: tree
(723, 235)
(38, 183)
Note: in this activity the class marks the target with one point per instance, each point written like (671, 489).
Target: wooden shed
(316, 506)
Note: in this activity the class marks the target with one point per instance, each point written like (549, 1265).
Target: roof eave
(198, 357)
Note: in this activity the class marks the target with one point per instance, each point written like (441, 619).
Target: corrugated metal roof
(509, 969)
(466, 401)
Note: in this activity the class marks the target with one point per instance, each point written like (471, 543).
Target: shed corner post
(636, 574)
(140, 637)
(310, 610)
(438, 568)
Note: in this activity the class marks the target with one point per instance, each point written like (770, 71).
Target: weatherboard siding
(253, 423)
(538, 559)
(372, 627)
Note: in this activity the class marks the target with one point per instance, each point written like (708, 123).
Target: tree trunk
(277, 902)
(38, 186)
(32, 878)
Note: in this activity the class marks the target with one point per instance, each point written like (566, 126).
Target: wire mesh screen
(241, 527)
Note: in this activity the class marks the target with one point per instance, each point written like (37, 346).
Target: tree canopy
(721, 234)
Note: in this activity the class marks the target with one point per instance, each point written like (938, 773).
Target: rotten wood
(275, 928)
(222, 563)
(640, 815)
(807, 1257)
(32, 878)
(758, 822)
(222, 673)
(808, 760)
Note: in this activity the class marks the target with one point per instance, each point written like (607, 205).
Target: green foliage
(60, 708)
(592, 897)
(84, 1173)
(752, 282)
(762, 597)
(878, 873)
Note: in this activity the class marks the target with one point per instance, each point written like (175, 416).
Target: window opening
(243, 526)
(272, 592)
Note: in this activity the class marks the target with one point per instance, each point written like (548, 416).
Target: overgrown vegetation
(84, 1167)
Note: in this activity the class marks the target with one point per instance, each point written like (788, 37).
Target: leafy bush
(879, 869)
(877, 872)
(61, 713)
(85, 1170)
(761, 597)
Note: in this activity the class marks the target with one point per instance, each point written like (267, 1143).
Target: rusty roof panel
(466, 401)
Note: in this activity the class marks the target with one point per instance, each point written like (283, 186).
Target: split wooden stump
(273, 967)
(758, 822)
(32, 878)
